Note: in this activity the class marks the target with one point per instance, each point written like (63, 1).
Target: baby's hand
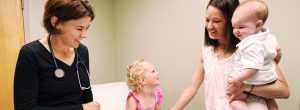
(234, 87)
(235, 82)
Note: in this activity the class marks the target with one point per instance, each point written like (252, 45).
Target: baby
(143, 80)
(255, 53)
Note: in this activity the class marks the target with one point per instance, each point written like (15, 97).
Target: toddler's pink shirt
(158, 97)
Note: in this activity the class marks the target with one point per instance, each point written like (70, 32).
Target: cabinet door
(11, 40)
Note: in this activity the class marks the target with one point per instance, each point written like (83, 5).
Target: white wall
(34, 19)
(170, 34)
(100, 39)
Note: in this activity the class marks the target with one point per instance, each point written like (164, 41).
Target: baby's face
(151, 76)
(244, 24)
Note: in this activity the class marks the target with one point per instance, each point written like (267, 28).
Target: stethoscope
(59, 73)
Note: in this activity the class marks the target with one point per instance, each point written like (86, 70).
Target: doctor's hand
(91, 106)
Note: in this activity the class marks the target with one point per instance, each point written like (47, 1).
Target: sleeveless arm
(278, 90)
(192, 88)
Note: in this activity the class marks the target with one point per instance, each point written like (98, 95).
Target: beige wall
(101, 43)
(33, 17)
(170, 34)
(284, 23)
(166, 32)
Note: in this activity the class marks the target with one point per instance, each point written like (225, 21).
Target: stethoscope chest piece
(59, 73)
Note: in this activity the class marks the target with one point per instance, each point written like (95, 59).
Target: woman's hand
(235, 82)
(277, 90)
(234, 87)
(233, 90)
(91, 106)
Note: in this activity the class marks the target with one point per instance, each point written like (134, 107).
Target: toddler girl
(143, 80)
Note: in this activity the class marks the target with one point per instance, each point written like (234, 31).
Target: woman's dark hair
(227, 8)
(65, 10)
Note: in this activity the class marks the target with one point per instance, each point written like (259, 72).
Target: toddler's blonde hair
(135, 74)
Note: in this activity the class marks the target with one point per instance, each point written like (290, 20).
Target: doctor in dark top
(53, 73)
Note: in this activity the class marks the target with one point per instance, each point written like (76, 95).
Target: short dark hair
(227, 8)
(65, 10)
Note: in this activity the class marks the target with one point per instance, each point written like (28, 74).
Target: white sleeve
(252, 56)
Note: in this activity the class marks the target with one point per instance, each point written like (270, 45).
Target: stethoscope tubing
(77, 62)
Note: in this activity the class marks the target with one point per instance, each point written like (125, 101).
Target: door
(11, 40)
